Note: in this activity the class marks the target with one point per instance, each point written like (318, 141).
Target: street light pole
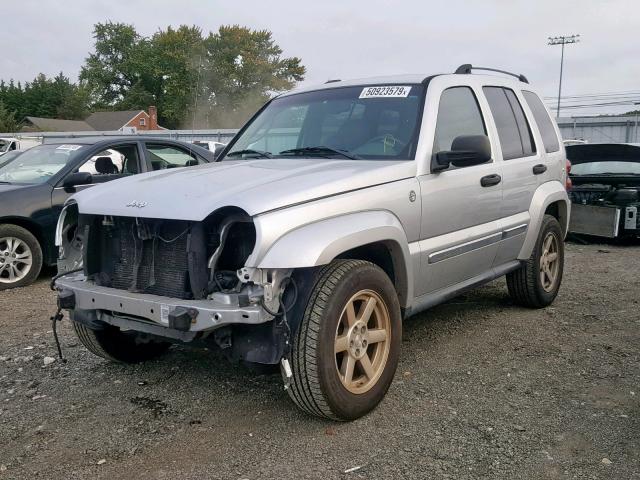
(562, 40)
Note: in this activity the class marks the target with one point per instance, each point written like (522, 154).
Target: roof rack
(467, 67)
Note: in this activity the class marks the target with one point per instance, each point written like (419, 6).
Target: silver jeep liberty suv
(334, 213)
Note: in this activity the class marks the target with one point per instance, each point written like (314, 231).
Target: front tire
(536, 283)
(20, 257)
(346, 349)
(113, 344)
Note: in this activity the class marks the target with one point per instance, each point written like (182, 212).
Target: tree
(8, 122)
(54, 97)
(246, 69)
(113, 68)
(218, 80)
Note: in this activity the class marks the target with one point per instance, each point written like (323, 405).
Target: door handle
(538, 169)
(490, 180)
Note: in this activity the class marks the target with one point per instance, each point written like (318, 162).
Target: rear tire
(345, 351)
(536, 283)
(20, 257)
(117, 346)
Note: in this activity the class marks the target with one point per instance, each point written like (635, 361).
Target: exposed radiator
(157, 265)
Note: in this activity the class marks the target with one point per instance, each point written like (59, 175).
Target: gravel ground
(484, 390)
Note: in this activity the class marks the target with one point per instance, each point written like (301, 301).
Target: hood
(256, 186)
(603, 152)
(9, 187)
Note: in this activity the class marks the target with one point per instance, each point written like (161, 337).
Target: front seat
(105, 166)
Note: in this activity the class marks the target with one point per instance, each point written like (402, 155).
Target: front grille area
(146, 256)
(166, 257)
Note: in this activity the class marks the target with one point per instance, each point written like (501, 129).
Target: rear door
(162, 155)
(521, 165)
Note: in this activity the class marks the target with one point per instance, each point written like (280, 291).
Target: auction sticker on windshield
(385, 91)
(70, 148)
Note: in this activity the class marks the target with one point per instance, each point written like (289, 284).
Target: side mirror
(218, 150)
(466, 151)
(78, 178)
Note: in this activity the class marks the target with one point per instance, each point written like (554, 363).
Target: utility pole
(562, 40)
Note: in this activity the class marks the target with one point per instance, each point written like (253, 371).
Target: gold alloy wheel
(549, 262)
(363, 339)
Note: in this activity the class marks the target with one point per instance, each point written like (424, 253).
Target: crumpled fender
(320, 242)
(545, 195)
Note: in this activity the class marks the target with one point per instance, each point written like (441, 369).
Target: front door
(460, 227)
(111, 163)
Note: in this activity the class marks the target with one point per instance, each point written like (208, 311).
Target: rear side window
(169, 156)
(515, 135)
(545, 125)
(458, 114)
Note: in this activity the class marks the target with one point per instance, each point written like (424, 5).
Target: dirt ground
(484, 390)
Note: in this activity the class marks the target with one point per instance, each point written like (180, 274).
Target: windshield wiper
(320, 150)
(2, 182)
(249, 151)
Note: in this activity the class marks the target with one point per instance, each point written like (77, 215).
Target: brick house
(139, 119)
(98, 121)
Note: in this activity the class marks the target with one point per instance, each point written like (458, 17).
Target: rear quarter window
(545, 124)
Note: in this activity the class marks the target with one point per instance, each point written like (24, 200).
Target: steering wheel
(389, 143)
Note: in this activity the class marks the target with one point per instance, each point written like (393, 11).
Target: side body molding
(320, 242)
(545, 195)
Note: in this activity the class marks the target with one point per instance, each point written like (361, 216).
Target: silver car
(335, 213)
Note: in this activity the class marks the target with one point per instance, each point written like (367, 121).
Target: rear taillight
(568, 184)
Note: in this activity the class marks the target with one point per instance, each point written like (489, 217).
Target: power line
(603, 94)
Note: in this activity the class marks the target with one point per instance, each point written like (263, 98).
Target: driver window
(120, 160)
(458, 114)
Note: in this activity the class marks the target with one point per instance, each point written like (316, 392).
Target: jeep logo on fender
(136, 204)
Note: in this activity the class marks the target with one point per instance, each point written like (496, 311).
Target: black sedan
(35, 185)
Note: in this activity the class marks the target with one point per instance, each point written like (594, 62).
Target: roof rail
(467, 67)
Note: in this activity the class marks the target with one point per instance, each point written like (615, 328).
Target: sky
(360, 38)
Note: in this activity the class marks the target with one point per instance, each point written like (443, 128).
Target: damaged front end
(174, 279)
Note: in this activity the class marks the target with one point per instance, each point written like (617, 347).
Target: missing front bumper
(221, 310)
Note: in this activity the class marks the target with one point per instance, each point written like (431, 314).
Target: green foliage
(195, 81)
(45, 97)
(8, 122)
(245, 68)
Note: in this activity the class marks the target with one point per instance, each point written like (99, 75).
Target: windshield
(4, 145)
(368, 122)
(38, 164)
(7, 157)
(603, 168)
